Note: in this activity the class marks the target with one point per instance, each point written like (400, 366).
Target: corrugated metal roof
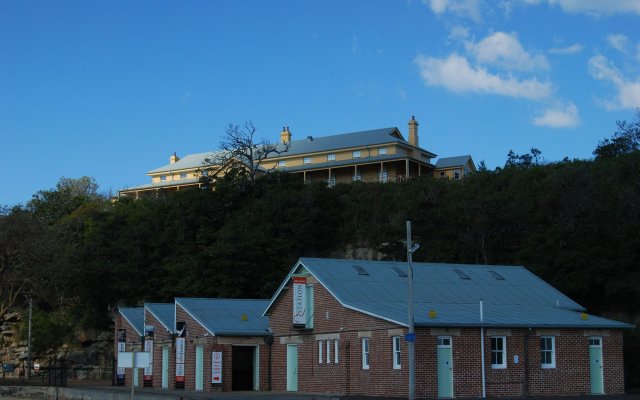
(520, 299)
(135, 317)
(165, 313)
(189, 161)
(449, 162)
(225, 316)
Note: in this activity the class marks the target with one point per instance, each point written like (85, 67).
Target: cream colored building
(378, 155)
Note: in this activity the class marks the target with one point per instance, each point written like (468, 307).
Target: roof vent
(497, 275)
(400, 272)
(360, 270)
(461, 274)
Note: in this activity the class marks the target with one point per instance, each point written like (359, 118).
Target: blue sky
(111, 89)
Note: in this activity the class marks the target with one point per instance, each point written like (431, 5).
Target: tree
(624, 141)
(241, 154)
(69, 194)
(524, 161)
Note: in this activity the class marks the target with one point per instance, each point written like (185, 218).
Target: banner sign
(216, 368)
(299, 301)
(180, 354)
(148, 347)
(122, 346)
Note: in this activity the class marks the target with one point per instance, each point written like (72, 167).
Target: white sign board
(216, 367)
(299, 300)
(125, 359)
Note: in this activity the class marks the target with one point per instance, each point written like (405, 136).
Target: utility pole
(28, 372)
(411, 336)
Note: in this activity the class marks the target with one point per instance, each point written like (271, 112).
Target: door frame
(450, 372)
(601, 369)
(292, 386)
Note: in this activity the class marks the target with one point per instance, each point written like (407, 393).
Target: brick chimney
(413, 131)
(174, 158)
(285, 135)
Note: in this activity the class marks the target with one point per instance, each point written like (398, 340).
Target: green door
(595, 365)
(199, 367)
(445, 367)
(165, 368)
(292, 368)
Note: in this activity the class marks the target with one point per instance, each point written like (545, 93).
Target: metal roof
(135, 317)
(225, 317)
(449, 162)
(190, 161)
(372, 137)
(165, 313)
(520, 298)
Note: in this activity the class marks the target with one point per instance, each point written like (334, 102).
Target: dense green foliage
(574, 223)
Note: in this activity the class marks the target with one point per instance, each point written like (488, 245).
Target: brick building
(339, 326)
(129, 328)
(159, 320)
(220, 345)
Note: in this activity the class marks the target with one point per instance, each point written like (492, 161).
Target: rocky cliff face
(90, 356)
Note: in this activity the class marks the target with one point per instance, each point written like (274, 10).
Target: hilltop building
(378, 155)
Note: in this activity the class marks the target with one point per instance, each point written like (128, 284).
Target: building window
(548, 351)
(328, 351)
(595, 342)
(382, 150)
(183, 175)
(499, 352)
(336, 347)
(320, 351)
(456, 175)
(306, 160)
(365, 353)
(163, 178)
(331, 157)
(282, 163)
(396, 352)
(444, 341)
(442, 174)
(356, 154)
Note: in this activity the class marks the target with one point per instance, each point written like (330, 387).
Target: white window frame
(502, 365)
(183, 175)
(594, 338)
(306, 160)
(365, 353)
(282, 163)
(551, 351)
(336, 348)
(331, 157)
(356, 154)
(328, 351)
(163, 178)
(382, 150)
(395, 340)
(320, 347)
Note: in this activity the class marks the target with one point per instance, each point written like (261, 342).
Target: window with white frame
(328, 351)
(336, 347)
(183, 175)
(365, 353)
(282, 163)
(331, 157)
(499, 352)
(356, 154)
(320, 347)
(396, 352)
(306, 160)
(382, 150)
(548, 351)
(163, 178)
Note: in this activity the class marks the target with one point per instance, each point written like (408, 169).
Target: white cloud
(458, 33)
(462, 8)
(456, 74)
(504, 50)
(618, 42)
(573, 49)
(561, 117)
(627, 90)
(598, 7)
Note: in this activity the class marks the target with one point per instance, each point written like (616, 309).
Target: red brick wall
(569, 377)
(161, 338)
(133, 342)
(195, 335)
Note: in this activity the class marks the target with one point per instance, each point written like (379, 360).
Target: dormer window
(282, 163)
(163, 178)
(382, 150)
(356, 154)
(307, 160)
(331, 157)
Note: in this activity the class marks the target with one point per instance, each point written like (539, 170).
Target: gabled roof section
(519, 299)
(135, 317)
(451, 162)
(165, 313)
(188, 162)
(344, 141)
(225, 317)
